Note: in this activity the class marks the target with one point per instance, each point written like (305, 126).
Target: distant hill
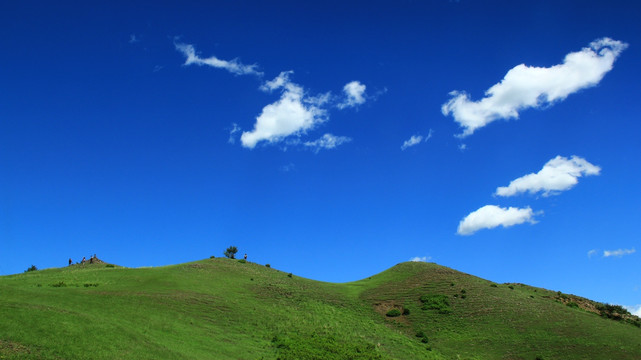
(230, 309)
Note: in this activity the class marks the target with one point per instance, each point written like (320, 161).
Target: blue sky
(331, 139)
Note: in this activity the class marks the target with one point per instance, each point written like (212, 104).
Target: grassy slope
(498, 322)
(223, 309)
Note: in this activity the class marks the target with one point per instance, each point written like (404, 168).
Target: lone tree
(231, 252)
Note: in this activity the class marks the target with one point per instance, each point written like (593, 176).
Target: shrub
(494, 285)
(59, 284)
(511, 287)
(267, 265)
(425, 340)
(572, 304)
(242, 261)
(452, 284)
(406, 311)
(110, 265)
(420, 334)
(613, 312)
(289, 275)
(463, 296)
(393, 313)
(463, 291)
(31, 268)
(231, 252)
(618, 308)
(212, 257)
(90, 285)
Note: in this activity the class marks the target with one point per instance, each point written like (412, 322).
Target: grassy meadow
(229, 309)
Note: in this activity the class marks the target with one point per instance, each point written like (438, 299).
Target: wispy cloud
(280, 81)
(412, 141)
(354, 95)
(288, 168)
(415, 140)
(558, 174)
(232, 133)
(133, 39)
(327, 141)
(618, 252)
(592, 252)
(491, 216)
(532, 87)
(292, 114)
(233, 66)
(421, 258)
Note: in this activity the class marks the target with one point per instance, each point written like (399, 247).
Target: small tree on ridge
(231, 252)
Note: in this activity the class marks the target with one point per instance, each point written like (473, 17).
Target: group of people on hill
(84, 260)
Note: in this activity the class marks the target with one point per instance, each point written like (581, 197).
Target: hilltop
(230, 309)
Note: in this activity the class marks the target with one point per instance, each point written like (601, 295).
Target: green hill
(227, 309)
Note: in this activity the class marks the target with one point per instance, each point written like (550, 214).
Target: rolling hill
(230, 309)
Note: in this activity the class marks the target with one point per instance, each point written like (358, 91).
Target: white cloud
(592, 253)
(491, 216)
(415, 140)
(293, 114)
(618, 252)
(327, 141)
(354, 93)
(634, 310)
(233, 66)
(133, 39)
(531, 87)
(421, 259)
(462, 147)
(558, 174)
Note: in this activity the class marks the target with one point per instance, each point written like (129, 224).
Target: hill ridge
(200, 309)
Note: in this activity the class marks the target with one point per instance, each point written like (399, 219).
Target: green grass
(225, 309)
(437, 302)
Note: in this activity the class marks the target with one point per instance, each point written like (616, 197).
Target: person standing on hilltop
(84, 260)
(70, 261)
(245, 257)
